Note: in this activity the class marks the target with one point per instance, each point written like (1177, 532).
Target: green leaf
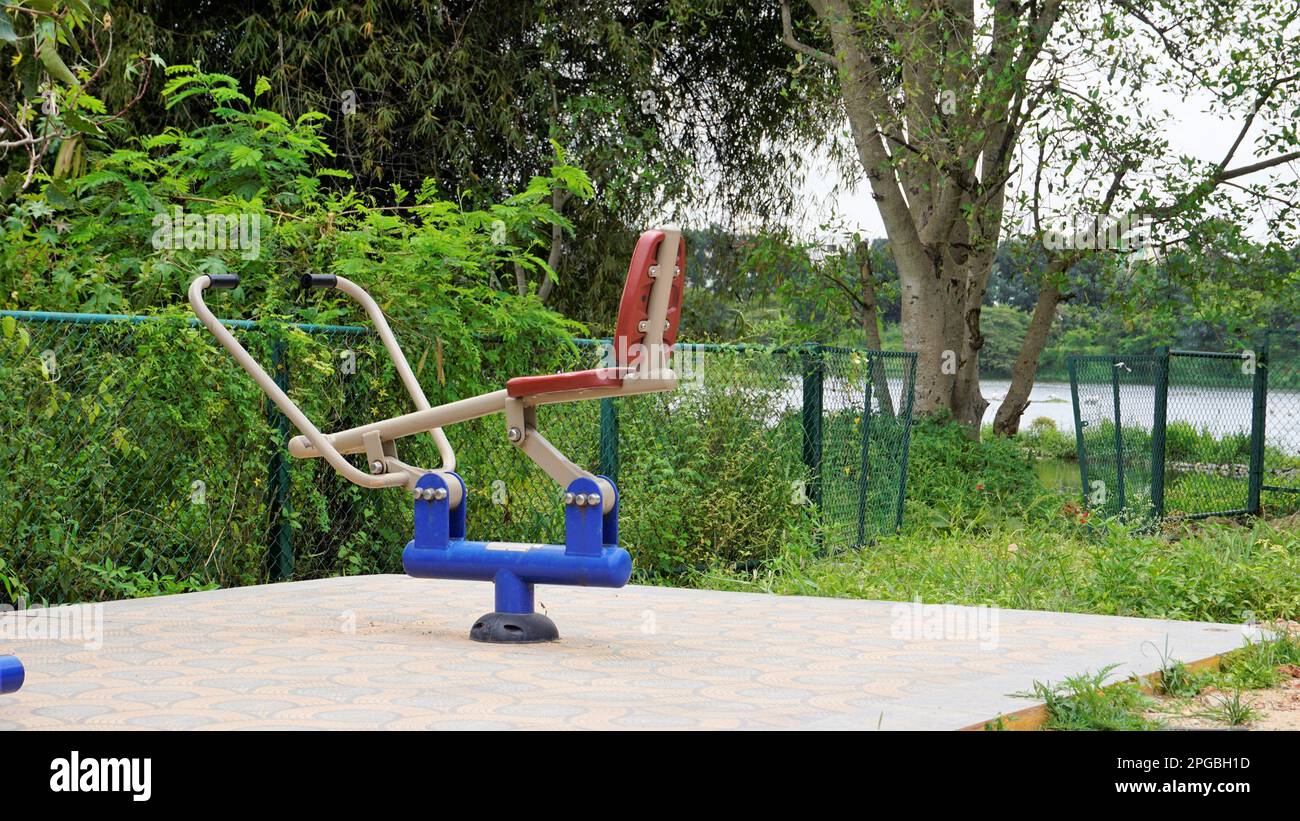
(7, 32)
(80, 123)
(57, 197)
(139, 193)
(47, 49)
(242, 156)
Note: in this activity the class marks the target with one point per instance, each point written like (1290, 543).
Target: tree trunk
(969, 403)
(871, 329)
(559, 199)
(1007, 420)
(968, 400)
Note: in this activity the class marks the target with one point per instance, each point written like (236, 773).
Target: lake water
(1221, 411)
(1218, 410)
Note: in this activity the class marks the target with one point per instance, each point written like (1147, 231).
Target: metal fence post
(905, 408)
(1159, 423)
(814, 369)
(280, 546)
(1072, 365)
(1119, 438)
(864, 465)
(609, 440)
(608, 424)
(1258, 414)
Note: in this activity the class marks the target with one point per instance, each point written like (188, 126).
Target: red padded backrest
(635, 305)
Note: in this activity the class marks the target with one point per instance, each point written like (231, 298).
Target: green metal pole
(280, 553)
(1159, 423)
(1119, 436)
(813, 374)
(608, 428)
(906, 412)
(863, 466)
(1258, 415)
(1072, 364)
(609, 440)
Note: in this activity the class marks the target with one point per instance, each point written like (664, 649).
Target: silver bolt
(593, 499)
(581, 499)
(514, 434)
(568, 498)
(654, 270)
(377, 466)
(677, 270)
(438, 493)
(417, 492)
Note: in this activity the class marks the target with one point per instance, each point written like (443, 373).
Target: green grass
(1086, 702)
(1215, 572)
(1254, 667)
(979, 530)
(1177, 680)
(1230, 710)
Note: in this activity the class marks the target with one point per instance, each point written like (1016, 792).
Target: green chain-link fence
(1187, 434)
(138, 458)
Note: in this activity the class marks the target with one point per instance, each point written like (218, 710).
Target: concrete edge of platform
(1035, 717)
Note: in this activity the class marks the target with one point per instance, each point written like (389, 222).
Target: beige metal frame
(377, 440)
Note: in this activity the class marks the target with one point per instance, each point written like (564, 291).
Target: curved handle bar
(278, 396)
(377, 318)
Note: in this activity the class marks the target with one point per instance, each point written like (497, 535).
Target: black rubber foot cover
(519, 628)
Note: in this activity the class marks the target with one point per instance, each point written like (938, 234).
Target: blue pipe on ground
(515, 568)
(11, 674)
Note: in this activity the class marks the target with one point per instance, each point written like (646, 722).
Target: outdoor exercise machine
(11, 674)
(648, 318)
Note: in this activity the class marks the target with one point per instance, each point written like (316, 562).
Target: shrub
(952, 478)
(104, 456)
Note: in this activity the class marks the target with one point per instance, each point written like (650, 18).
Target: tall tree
(963, 113)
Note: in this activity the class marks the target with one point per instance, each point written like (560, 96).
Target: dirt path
(1277, 708)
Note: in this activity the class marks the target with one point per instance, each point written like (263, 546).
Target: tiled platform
(392, 652)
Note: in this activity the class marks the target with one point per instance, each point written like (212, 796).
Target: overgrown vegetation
(1086, 702)
(1090, 701)
(981, 530)
(149, 392)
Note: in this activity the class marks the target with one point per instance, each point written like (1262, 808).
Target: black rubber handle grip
(318, 281)
(223, 281)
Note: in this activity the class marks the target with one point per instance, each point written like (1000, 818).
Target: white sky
(1193, 132)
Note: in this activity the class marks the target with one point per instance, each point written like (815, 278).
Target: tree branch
(1264, 94)
(1218, 179)
(787, 37)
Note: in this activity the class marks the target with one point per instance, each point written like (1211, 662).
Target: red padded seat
(634, 307)
(522, 386)
(629, 335)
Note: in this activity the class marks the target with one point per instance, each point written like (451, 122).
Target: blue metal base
(12, 674)
(590, 556)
